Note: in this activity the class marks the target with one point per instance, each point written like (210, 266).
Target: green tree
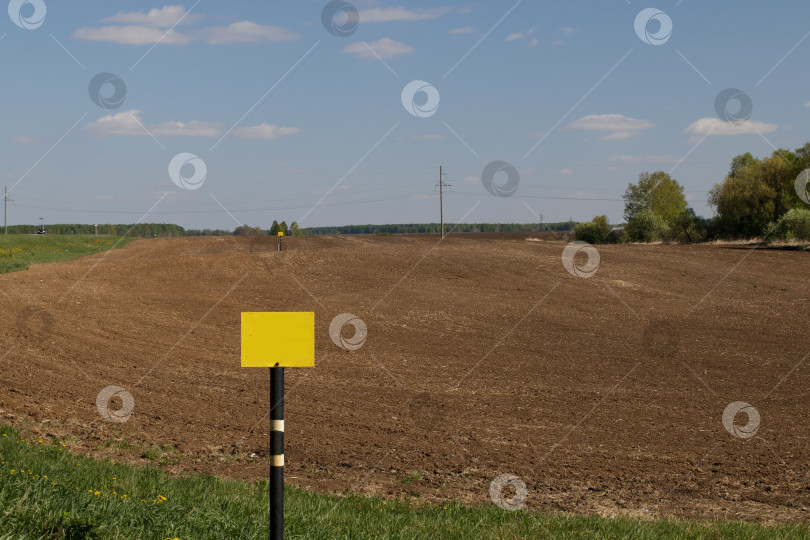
(602, 223)
(687, 227)
(655, 192)
(247, 230)
(589, 232)
(294, 230)
(740, 162)
(282, 227)
(757, 193)
(647, 226)
(274, 229)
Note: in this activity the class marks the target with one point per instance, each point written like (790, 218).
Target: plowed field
(484, 355)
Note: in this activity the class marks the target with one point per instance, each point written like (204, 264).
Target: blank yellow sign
(282, 339)
(281, 233)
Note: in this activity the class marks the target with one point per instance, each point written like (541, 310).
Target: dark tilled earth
(484, 356)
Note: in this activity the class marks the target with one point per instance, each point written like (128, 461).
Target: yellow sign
(283, 339)
(281, 233)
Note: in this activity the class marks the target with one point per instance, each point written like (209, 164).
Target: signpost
(277, 340)
(280, 238)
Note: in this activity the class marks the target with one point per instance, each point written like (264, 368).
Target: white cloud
(389, 14)
(643, 159)
(22, 139)
(715, 126)
(264, 131)
(565, 172)
(519, 36)
(195, 128)
(247, 32)
(385, 48)
(130, 123)
(132, 35)
(165, 17)
(465, 30)
(567, 31)
(619, 136)
(609, 122)
(148, 28)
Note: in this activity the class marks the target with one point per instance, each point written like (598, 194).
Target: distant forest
(421, 228)
(141, 230)
(165, 230)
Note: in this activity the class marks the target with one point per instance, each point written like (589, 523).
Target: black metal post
(276, 453)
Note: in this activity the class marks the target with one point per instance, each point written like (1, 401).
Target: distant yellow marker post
(276, 341)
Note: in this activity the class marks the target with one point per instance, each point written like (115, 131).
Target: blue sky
(295, 123)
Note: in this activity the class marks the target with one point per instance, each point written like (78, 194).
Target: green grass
(17, 251)
(47, 492)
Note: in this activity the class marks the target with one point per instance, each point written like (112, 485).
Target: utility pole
(442, 185)
(6, 200)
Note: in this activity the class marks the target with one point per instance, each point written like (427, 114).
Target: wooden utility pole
(6, 200)
(442, 185)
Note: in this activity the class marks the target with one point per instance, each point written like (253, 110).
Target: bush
(687, 228)
(647, 226)
(794, 225)
(589, 232)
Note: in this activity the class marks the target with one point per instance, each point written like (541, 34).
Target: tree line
(759, 198)
(405, 228)
(275, 229)
(435, 228)
(139, 230)
(162, 230)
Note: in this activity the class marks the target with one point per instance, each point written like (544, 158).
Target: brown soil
(484, 356)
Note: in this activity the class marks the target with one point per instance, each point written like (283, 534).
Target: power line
(235, 210)
(360, 191)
